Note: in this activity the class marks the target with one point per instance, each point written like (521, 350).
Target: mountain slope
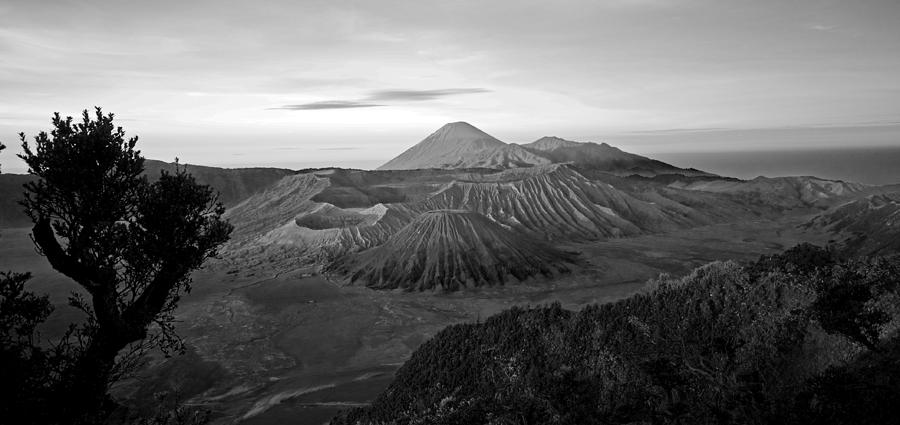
(557, 202)
(550, 143)
(313, 217)
(11, 213)
(869, 226)
(784, 192)
(603, 157)
(343, 211)
(461, 145)
(452, 249)
(717, 346)
(232, 184)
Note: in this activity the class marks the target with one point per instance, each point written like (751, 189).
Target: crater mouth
(331, 217)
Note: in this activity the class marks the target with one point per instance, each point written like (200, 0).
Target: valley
(617, 212)
(334, 277)
(266, 345)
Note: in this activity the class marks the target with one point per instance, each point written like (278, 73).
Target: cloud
(419, 95)
(384, 96)
(328, 104)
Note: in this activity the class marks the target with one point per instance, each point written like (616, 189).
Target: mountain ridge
(604, 157)
(549, 143)
(461, 145)
(232, 185)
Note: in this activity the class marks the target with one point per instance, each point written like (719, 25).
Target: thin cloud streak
(327, 104)
(420, 95)
(398, 95)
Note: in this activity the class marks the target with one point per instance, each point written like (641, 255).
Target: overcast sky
(300, 83)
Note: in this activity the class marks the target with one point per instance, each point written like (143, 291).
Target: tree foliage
(130, 244)
(26, 366)
(761, 343)
(848, 298)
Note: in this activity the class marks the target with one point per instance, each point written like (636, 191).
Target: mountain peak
(462, 145)
(549, 143)
(461, 131)
(459, 145)
(459, 124)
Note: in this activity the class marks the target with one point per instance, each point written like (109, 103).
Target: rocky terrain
(318, 217)
(286, 326)
(453, 249)
(549, 203)
(553, 190)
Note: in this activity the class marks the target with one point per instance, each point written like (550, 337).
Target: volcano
(460, 145)
(449, 249)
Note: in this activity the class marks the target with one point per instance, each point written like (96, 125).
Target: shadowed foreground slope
(725, 344)
(450, 249)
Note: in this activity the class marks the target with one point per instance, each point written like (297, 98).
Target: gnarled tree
(131, 244)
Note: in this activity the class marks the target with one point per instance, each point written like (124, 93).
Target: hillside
(550, 143)
(867, 226)
(603, 157)
(297, 214)
(341, 211)
(784, 192)
(232, 184)
(319, 216)
(11, 214)
(554, 202)
(450, 249)
(461, 145)
(708, 348)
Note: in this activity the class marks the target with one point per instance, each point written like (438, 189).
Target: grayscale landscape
(546, 237)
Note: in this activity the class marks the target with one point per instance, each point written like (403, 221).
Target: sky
(354, 83)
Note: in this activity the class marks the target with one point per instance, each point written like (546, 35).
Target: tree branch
(44, 237)
(143, 310)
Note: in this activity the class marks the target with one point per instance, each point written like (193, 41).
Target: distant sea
(875, 166)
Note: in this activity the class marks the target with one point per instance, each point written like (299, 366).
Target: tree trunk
(84, 398)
